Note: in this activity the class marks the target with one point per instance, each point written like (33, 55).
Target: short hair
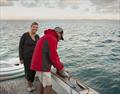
(34, 23)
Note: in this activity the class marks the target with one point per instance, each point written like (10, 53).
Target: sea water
(90, 51)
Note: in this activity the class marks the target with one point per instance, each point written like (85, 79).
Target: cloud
(106, 6)
(51, 3)
(29, 3)
(102, 2)
(74, 4)
(39, 3)
(6, 3)
(98, 6)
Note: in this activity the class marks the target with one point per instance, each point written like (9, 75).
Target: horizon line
(61, 19)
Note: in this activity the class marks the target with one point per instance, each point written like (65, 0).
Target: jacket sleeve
(21, 43)
(54, 55)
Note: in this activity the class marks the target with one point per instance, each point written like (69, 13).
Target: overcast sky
(59, 9)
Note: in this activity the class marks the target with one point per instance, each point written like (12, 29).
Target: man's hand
(21, 61)
(63, 73)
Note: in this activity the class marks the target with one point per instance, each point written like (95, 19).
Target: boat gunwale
(86, 86)
(64, 81)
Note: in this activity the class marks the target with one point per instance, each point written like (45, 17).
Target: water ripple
(90, 51)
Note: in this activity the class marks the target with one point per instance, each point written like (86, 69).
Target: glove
(63, 74)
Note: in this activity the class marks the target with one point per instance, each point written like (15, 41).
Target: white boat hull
(70, 86)
(11, 70)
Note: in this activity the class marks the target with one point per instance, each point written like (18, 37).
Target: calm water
(91, 50)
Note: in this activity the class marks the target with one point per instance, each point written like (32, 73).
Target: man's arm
(54, 55)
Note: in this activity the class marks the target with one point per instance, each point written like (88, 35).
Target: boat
(60, 85)
(11, 69)
(70, 85)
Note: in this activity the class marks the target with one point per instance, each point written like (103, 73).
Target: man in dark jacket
(45, 55)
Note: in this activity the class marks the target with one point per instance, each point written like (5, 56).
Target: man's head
(59, 32)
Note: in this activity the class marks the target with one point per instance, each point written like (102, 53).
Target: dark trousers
(29, 74)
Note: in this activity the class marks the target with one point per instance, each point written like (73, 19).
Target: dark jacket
(26, 46)
(45, 53)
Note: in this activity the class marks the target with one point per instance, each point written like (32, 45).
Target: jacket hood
(51, 32)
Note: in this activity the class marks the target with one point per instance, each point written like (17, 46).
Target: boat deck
(18, 86)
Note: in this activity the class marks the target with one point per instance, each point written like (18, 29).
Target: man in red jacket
(45, 55)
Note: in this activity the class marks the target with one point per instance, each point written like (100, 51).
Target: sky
(60, 9)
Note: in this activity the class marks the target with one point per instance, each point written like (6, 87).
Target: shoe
(30, 89)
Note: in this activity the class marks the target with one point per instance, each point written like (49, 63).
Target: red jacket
(45, 53)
